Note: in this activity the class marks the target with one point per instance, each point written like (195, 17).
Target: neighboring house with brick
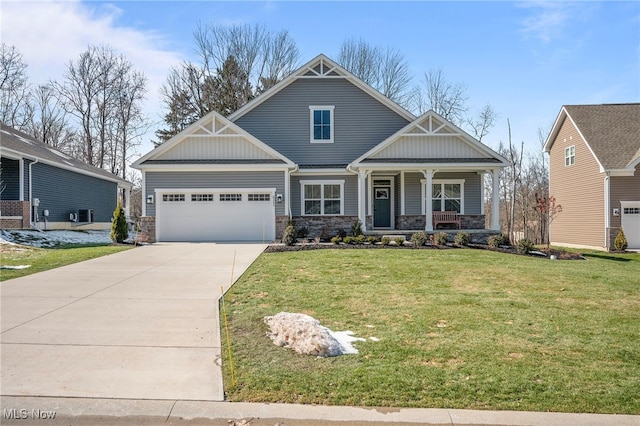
(594, 173)
(47, 189)
(320, 148)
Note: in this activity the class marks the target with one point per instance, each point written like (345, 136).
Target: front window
(322, 198)
(446, 195)
(321, 124)
(570, 155)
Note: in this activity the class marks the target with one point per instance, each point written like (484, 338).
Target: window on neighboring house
(322, 197)
(321, 124)
(570, 155)
(446, 195)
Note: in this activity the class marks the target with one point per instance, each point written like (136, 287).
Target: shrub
(419, 239)
(385, 241)
(462, 238)
(341, 233)
(399, 241)
(620, 243)
(439, 238)
(359, 239)
(289, 235)
(349, 240)
(336, 240)
(498, 240)
(525, 246)
(372, 239)
(356, 228)
(119, 231)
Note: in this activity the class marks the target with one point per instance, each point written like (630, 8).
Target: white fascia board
(443, 167)
(214, 189)
(337, 171)
(620, 172)
(212, 167)
(15, 155)
(554, 130)
(10, 153)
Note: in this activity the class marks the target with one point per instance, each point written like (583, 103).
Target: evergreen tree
(119, 231)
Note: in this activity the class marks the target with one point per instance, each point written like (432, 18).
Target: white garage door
(215, 215)
(631, 223)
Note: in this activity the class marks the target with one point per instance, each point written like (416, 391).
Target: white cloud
(548, 20)
(50, 34)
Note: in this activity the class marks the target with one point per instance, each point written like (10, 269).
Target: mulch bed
(559, 254)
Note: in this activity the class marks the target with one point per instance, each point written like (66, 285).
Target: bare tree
(481, 124)
(103, 92)
(15, 103)
(386, 70)
(445, 98)
(49, 124)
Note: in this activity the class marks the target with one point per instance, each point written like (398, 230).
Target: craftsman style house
(594, 168)
(322, 149)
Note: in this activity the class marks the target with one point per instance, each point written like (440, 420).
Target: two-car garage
(215, 214)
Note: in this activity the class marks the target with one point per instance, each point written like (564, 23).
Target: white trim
(402, 192)
(607, 209)
(392, 186)
(322, 182)
(212, 167)
(442, 182)
(495, 200)
(314, 108)
(316, 172)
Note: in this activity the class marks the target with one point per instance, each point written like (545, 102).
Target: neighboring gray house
(323, 149)
(47, 189)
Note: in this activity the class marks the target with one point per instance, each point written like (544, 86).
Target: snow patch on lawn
(44, 239)
(304, 334)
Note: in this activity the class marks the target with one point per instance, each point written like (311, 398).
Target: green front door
(382, 207)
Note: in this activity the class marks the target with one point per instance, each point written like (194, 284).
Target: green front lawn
(458, 329)
(45, 259)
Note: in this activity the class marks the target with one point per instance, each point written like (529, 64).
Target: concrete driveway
(139, 324)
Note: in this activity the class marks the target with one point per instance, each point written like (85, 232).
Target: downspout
(31, 222)
(607, 209)
(288, 192)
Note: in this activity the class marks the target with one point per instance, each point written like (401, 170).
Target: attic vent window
(570, 155)
(322, 126)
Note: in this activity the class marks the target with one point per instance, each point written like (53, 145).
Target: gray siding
(10, 179)
(263, 179)
(472, 191)
(283, 122)
(63, 191)
(350, 193)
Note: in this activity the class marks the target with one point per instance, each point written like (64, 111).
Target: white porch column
(495, 200)
(127, 202)
(143, 193)
(428, 174)
(483, 192)
(287, 192)
(362, 199)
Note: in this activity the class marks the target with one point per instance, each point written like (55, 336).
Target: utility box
(85, 215)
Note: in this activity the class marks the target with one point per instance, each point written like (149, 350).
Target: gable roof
(16, 144)
(611, 132)
(213, 139)
(322, 66)
(431, 139)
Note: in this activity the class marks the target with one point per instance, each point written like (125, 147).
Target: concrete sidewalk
(140, 324)
(81, 411)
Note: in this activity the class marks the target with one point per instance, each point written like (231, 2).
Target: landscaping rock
(305, 335)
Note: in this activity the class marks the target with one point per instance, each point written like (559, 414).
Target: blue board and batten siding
(62, 192)
(283, 121)
(189, 180)
(10, 179)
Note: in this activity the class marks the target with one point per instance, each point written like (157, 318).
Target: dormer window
(321, 124)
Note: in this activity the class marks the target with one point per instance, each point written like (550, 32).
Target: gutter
(607, 208)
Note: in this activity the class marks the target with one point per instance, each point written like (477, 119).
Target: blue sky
(526, 59)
